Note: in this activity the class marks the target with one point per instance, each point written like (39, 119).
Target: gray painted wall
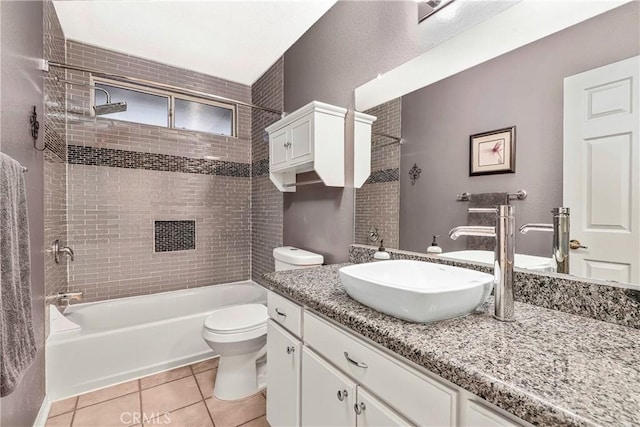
(522, 88)
(20, 89)
(348, 46)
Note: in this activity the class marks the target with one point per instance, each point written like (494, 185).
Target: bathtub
(128, 338)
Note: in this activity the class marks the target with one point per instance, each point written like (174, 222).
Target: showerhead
(115, 107)
(109, 107)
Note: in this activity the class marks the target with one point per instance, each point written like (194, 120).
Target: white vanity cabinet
(309, 139)
(331, 399)
(284, 356)
(321, 374)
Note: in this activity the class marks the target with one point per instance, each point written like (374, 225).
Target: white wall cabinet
(320, 374)
(309, 139)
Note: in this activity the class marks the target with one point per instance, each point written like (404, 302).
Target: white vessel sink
(416, 291)
(529, 262)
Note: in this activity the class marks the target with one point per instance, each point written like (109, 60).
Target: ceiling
(237, 40)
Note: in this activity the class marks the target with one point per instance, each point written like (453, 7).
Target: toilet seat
(237, 323)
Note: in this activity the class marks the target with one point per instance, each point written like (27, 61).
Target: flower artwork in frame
(493, 152)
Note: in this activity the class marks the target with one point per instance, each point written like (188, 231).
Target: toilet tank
(290, 258)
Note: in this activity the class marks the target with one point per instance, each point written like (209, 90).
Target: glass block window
(166, 109)
(174, 235)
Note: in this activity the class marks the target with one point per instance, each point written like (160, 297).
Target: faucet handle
(483, 210)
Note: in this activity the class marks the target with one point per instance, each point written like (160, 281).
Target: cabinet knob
(342, 394)
(290, 350)
(359, 407)
(287, 144)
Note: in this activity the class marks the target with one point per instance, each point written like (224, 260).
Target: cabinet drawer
(285, 312)
(479, 415)
(422, 400)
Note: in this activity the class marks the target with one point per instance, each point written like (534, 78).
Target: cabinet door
(301, 140)
(283, 377)
(278, 148)
(373, 413)
(328, 396)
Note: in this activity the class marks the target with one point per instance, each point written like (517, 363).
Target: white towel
(17, 338)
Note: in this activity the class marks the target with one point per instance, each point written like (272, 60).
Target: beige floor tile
(63, 420)
(206, 381)
(107, 393)
(164, 377)
(191, 416)
(121, 411)
(170, 396)
(233, 413)
(259, 422)
(205, 365)
(63, 406)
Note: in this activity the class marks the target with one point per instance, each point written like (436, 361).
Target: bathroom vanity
(333, 361)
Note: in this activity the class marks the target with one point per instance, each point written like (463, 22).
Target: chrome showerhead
(115, 107)
(109, 107)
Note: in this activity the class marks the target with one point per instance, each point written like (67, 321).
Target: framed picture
(493, 152)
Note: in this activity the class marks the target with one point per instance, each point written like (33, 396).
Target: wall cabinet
(320, 374)
(309, 139)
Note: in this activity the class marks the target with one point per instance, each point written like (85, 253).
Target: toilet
(239, 335)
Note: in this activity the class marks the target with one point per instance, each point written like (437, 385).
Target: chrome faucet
(64, 299)
(560, 229)
(504, 233)
(58, 251)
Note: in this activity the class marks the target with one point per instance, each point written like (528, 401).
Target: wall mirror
(576, 138)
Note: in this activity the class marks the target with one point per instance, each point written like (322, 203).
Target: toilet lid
(236, 319)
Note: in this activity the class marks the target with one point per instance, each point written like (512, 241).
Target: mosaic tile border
(93, 156)
(260, 167)
(593, 299)
(386, 175)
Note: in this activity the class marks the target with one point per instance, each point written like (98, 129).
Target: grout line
(204, 398)
(75, 408)
(107, 400)
(140, 397)
(263, 415)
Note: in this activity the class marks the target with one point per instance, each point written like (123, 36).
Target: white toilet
(239, 335)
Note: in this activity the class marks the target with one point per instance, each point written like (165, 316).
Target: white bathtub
(128, 338)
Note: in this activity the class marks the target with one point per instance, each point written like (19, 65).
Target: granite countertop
(547, 367)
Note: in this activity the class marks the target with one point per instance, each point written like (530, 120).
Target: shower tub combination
(128, 338)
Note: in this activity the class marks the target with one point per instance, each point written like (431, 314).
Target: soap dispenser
(434, 248)
(382, 254)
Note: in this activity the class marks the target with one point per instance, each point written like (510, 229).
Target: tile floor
(181, 397)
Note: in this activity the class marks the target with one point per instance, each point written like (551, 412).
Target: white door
(373, 413)
(601, 170)
(327, 395)
(283, 377)
(301, 140)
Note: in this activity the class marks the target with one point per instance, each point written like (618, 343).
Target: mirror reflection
(571, 101)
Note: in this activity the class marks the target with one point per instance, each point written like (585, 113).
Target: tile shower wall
(266, 200)
(124, 176)
(378, 200)
(55, 169)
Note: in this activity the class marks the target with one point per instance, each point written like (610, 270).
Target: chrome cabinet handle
(359, 408)
(353, 362)
(342, 394)
(279, 313)
(290, 350)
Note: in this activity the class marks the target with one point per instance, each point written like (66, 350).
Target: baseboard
(43, 413)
